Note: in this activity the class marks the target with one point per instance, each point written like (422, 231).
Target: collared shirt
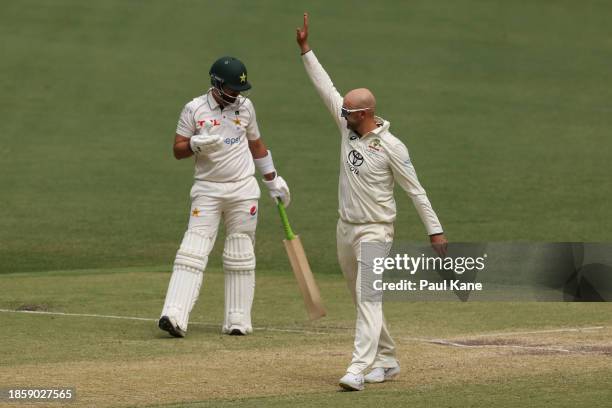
(370, 165)
(236, 124)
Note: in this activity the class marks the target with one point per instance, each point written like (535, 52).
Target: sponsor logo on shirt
(214, 122)
(354, 160)
(253, 210)
(232, 140)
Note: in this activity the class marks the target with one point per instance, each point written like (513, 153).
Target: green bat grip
(283, 215)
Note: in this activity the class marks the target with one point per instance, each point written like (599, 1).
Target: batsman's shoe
(236, 330)
(380, 374)
(352, 382)
(168, 324)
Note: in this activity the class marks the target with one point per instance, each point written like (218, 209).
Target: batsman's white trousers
(235, 202)
(374, 346)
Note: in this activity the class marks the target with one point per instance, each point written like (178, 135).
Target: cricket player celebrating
(371, 161)
(220, 129)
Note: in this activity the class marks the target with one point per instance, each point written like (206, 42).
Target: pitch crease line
(149, 319)
(453, 344)
(283, 330)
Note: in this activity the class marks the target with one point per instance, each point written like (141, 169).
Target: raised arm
(320, 79)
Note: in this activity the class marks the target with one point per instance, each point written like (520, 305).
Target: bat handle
(283, 215)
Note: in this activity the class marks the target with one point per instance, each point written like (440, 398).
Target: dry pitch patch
(304, 369)
(592, 340)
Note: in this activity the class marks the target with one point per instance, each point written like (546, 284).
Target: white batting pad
(187, 276)
(239, 267)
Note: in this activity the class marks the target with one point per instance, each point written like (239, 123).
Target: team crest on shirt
(374, 145)
(374, 148)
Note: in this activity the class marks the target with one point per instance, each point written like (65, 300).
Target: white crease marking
(300, 331)
(149, 319)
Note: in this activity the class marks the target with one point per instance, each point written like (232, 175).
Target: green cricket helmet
(231, 72)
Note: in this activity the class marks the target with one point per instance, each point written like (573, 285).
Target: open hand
(439, 244)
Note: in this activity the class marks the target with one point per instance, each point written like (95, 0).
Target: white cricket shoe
(379, 374)
(352, 382)
(236, 330)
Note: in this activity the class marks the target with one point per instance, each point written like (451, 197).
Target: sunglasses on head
(344, 112)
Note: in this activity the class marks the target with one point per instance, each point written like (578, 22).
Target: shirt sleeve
(186, 124)
(252, 129)
(324, 86)
(405, 175)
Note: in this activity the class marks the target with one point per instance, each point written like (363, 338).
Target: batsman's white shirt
(370, 165)
(235, 124)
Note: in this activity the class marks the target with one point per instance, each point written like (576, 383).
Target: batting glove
(279, 189)
(205, 144)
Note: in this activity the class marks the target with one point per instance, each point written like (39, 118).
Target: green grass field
(504, 106)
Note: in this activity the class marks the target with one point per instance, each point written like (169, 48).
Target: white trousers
(235, 203)
(373, 346)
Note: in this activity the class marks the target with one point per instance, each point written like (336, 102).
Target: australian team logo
(374, 145)
(374, 148)
(354, 160)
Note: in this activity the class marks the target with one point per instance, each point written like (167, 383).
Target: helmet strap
(226, 100)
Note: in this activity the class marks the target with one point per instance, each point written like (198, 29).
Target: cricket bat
(301, 268)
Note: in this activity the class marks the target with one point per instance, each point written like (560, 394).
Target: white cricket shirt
(370, 165)
(236, 125)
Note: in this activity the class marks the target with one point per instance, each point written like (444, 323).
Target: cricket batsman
(220, 130)
(371, 161)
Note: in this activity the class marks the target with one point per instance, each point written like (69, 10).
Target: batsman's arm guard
(265, 165)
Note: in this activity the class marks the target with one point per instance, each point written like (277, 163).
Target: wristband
(265, 165)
